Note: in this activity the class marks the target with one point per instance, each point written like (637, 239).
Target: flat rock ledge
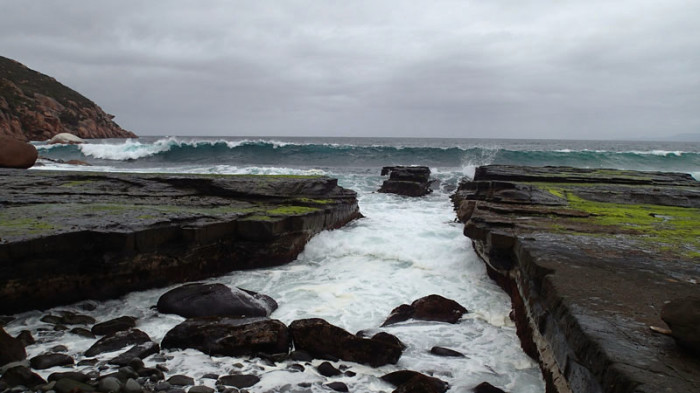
(590, 257)
(69, 236)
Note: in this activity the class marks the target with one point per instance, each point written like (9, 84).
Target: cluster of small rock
(226, 322)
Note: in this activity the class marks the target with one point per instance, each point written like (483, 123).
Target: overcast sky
(512, 69)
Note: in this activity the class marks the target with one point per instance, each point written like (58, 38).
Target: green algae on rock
(589, 258)
(67, 236)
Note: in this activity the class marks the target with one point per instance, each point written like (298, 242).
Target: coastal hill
(34, 106)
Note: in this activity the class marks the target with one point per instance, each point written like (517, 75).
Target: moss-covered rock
(69, 236)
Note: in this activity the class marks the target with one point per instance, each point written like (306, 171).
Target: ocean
(403, 249)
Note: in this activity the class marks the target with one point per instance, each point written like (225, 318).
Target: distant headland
(34, 106)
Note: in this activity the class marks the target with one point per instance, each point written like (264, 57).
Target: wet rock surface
(590, 257)
(209, 300)
(428, 308)
(321, 339)
(11, 348)
(68, 236)
(406, 180)
(227, 336)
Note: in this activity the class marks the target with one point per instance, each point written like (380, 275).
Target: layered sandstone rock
(590, 258)
(69, 236)
(34, 106)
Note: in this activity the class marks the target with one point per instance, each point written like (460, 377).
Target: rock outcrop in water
(590, 257)
(68, 236)
(406, 180)
(34, 106)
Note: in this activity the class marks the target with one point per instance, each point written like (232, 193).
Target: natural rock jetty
(68, 236)
(590, 257)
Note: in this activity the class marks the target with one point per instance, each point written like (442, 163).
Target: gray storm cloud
(512, 69)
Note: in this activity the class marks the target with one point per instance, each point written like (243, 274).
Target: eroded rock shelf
(590, 257)
(68, 236)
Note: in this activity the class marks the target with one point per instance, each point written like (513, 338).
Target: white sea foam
(353, 277)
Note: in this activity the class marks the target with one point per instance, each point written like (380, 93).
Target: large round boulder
(225, 336)
(321, 339)
(65, 138)
(683, 317)
(209, 300)
(16, 154)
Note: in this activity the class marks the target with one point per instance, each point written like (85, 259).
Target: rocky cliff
(34, 106)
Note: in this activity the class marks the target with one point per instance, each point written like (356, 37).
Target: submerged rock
(408, 381)
(48, 360)
(406, 180)
(441, 351)
(239, 380)
(210, 300)
(486, 387)
(114, 325)
(428, 308)
(116, 341)
(225, 336)
(320, 339)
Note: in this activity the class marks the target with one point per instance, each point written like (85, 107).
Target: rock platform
(68, 236)
(590, 257)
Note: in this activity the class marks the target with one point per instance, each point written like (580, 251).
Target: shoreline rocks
(70, 236)
(321, 339)
(589, 258)
(428, 308)
(410, 181)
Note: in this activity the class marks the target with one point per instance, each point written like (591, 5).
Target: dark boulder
(441, 351)
(16, 154)
(401, 313)
(208, 300)
(67, 385)
(117, 341)
(181, 380)
(139, 351)
(20, 375)
(48, 360)
(74, 375)
(327, 370)
(406, 180)
(25, 336)
(239, 380)
(320, 339)
(486, 387)
(114, 325)
(408, 381)
(338, 386)
(226, 336)
(428, 308)
(683, 318)
(389, 339)
(11, 349)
